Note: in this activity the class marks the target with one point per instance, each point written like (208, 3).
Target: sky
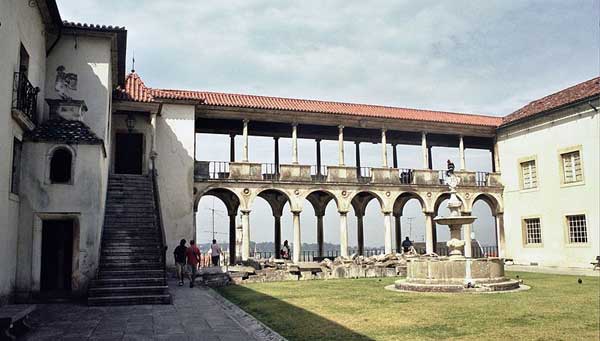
(488, 57)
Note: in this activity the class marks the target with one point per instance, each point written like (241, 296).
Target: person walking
(193, 258)
(179, 255)
(215, 253)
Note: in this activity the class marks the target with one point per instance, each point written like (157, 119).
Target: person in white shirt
(215, 253)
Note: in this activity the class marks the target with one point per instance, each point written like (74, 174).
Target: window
(60, 166)
(533, 231)
(16, 166)
(528, 174)
(577, 228)
(571, 167)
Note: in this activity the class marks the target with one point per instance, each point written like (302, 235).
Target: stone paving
(196, 314)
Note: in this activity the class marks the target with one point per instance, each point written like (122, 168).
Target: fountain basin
(459, 220)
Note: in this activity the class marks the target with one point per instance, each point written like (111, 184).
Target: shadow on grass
(290, 321)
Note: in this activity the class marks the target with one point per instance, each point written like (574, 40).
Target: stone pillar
(277, 236)
(395, 156)
(276, 154)
(341, 145)
(295, 143)
(245, 234)
(495, 158)
(384, 159)
(461, 153)
(360, 234)
(245, 134)
(387, 224)
(424, 151)
(429, 158)
(231, 147)
(428, 233)
(318, 156)
(357, 144)
(297, 251)
(344, 234)
(320, 234)
(398, 230)
(467, 228)
(232, 245)
(500, 235)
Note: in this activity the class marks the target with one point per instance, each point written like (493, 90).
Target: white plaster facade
(543, 139)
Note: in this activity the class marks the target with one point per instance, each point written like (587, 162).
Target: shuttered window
(529, 174)
(572, 171)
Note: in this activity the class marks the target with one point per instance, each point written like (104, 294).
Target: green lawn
(555, 308)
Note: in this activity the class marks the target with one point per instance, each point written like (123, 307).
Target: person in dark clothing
(179, 254)
(407, 244)
(285, 250)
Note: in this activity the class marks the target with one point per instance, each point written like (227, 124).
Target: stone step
(127, 210)
(132, 241)
(128, 291)
(122, 251)
(145, 220)
(117, 265)
(130, 274)
(129, 300)
(107, 259)
(128, 282)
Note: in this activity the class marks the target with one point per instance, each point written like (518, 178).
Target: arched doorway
(409, 221)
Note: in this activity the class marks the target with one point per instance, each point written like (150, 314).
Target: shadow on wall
(289, 321)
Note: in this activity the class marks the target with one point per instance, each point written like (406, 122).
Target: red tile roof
(135, 90)
(575, 93)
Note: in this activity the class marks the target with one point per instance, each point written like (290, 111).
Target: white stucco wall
(20, 24)
(175, 165)
(82, 199)
(551, 201)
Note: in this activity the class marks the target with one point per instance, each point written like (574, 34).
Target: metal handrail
(406, 176)
(158, 213)
(481, 179)
(25, 96)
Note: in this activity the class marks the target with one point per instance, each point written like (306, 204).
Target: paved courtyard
(196, 314)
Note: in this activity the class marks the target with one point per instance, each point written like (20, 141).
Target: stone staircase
(131, 269)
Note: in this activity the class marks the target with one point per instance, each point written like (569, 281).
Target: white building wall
(175, 165)
(20, 24)
(551, 201)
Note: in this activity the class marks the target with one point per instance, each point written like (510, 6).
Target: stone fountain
(455, 273)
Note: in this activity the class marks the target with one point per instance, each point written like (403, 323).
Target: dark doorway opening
(57, 257)
(129, 153)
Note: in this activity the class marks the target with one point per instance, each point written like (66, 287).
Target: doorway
(129, 153)
(57, 257)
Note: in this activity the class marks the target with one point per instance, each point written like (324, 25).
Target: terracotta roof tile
(135, 90)
(569, 95)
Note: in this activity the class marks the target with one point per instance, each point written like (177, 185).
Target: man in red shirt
(192, 255)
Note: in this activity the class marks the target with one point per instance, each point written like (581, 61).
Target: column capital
(383, 130)
(245, 212)
(296, 212)
(276, 138)
(357, 142)
(387, 213)
(294, 124)
(341, 127)
(343, 212)
(232, 135)
(246, 121)
(318, 140)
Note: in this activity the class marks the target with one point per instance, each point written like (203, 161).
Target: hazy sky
(489, 57)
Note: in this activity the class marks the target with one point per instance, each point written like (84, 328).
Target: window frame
(568, 150)
(16, 172)
(520, 163)
(524, 232)
(567, 228)
(49, 154)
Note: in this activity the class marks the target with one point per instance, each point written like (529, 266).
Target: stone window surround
(36, 252)
(567, 242)
(520, 172)
(561, 169)
(524, 232)
(12, 195)
(49, 155)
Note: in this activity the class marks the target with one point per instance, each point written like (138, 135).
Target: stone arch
(403, 198)
(322, 193)
(275, 198)
(361, 198)
(491, 200)
(497, 228)
(446, 195)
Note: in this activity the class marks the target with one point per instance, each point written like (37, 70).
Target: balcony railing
(24, 96)
(215, 170)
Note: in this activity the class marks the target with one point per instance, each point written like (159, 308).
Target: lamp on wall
(130, 122)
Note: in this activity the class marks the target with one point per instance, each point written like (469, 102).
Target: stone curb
(246, 321)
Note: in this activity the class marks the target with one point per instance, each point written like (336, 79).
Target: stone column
(429, 158)
(232, 245)
(295, 143)
(384, 159)
(276, 154)
(320, 234)
(277, 236)
(387, 224)
(318, 156)
(461, 153)
(357, 152)
(424, 151)
(360, 234)
(341, 145)
(500, 235)
(467, 228)
(398, 230)
(231, 147)
(428, 233)
(395, 156)
(297, 251)
(344, 234)
(495, 158)
(245, 134)
(245, 234)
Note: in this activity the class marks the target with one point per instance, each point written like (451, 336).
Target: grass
(556, 308)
